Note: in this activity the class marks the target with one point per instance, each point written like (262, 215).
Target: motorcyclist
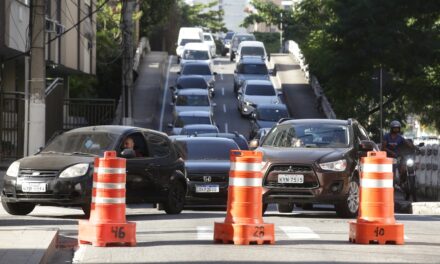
(392, 142)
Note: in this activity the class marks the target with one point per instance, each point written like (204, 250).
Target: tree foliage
(346, 42)
(202, 15)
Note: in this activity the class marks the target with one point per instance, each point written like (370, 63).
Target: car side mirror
(171, 104)
(367, 145)
(128, 154)
(170, 125)
(268, 57)
(172, 88)
(214, 104)
(253, 144)
(179, 72)
(421, 144)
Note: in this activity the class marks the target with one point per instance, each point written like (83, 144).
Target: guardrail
(321, 100)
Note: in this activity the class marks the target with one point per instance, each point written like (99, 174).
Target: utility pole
(127, 60)
(36, 133)
(381, 106)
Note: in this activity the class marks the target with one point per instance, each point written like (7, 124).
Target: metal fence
(80, 112)
(11, 125)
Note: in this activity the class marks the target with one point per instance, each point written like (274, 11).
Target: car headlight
(75, 170)
(13, 169)
(339, 165)
(409, 162)
(249, 103)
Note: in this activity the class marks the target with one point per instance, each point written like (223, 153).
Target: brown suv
(309, 161)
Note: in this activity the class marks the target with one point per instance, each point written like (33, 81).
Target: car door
(162, 162)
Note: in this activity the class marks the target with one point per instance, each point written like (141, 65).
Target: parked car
(196, 129)
(236, 40)
(252, 49)
(196, 52)
(187, 35)
(314, 161)
(250, 68)
(190, 118)
(190, 82)
(254, 93)
(227, 42)
(266, 116)
(61, 173)
(209, 39)
(199, 68)
(239, 139)
(207, 165)
(192, 100)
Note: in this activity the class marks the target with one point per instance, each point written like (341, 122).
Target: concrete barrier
(428, 172)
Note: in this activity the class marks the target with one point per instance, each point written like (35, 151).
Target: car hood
(302, 155)
(207, 166)
(245, 77)
(257, 99)
(53, 161)
(264, 124)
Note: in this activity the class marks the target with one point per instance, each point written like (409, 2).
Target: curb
(426, 208)
(50, 251)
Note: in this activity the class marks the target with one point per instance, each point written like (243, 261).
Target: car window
(260, 90)
(252, 51)
(195, 55)
(140, 147)
(207, 37)
(249, 68)
(181, 121)
(159, 146)
(270, 114)
(197, 150)
(192, 83)
(192, 100)
(95, 143)
(229, 35)
(309, 136)
(189, 69)
(185, 41)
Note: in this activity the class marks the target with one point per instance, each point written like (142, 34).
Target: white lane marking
(223, 91)
(165, 92)
(205, 233)
(299, 232)
(226, 128)
(224, 108)
(221, 76)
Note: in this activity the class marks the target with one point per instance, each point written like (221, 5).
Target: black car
(61, 173)
(191, 82)
(207, 165)
(266, 116)
(226, 42)
(236, 40)
(311, 161)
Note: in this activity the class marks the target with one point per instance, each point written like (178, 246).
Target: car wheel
(18, 208)
(264, 208)
(176, 198)
(350, 206)
(285, 208)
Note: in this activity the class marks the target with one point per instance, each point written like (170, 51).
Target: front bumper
(73, 191)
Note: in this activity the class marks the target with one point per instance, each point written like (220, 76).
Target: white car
(252, 49)
(192, 100)
(188, 35)
(209, 39)
(255, 92)
(196, 52)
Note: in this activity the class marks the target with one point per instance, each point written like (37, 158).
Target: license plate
(290, 178)
(33, 187)
(207, 189)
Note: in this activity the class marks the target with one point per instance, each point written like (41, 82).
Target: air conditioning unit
(59, 29)
(50, 25)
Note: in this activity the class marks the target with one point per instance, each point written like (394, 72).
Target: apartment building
(70, 48)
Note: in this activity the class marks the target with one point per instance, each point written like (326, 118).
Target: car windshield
(194, 130)
(181, 121)
(192, 83)
(197, 150)
(190, 69)
(247, 68)
(195, 55)
(207, 37)
(192, 100)
(252, 51)
(260, 90)
(238, 39)
(185, 41)
(94, 143)
(308, 136)
(229, 35)
(270, 114)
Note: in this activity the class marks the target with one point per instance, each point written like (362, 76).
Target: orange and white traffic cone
(376, 223)
(107, 224)
(244, 222)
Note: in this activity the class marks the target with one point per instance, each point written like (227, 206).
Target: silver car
(188, 118)
(255, 92)
(192, 100)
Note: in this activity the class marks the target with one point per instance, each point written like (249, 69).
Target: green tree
(202, 15)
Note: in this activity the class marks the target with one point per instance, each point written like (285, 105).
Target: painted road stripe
(245, 182)
(103, 170)
(224, 108)
(372, 183)
(223, 91)
(102, 185)
(226, 128)
(205, 233)
(377, 168)
(221, 76)
(243, 166)
(299, 232)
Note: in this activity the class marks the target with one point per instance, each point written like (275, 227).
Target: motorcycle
(407, 170)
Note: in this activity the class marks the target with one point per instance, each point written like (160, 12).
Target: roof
(316, 121)
(272, 106)
(196, 63)
(112, 128)
(252, 59)
(259, 82)
(204, 139)
(199, 126)
(182, 77)
(251, 43)
(194, 91)
(194, 113)
(196, 46)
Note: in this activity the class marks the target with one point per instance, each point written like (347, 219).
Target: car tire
(349, 207)
(18, 208)
(264, 208)
(285, 208)
(176, 198)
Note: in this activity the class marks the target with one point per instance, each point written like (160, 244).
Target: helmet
(395, 124)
